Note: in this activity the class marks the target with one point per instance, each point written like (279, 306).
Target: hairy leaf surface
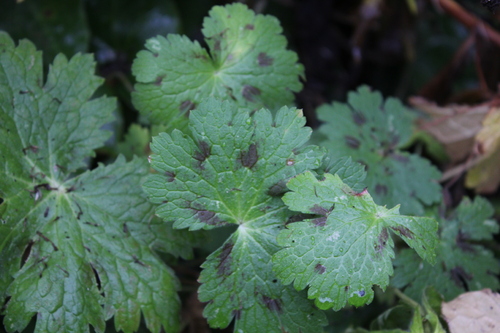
(348, 248)
(247, 61)
(462, 265)
(232, 170)
(372, 132)
(73, 250)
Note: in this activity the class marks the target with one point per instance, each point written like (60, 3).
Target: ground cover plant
(217, 208)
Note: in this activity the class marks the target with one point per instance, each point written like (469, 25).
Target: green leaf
(238, 282)
(232, 170)
(351, 173)
(342, 253)
(248, 62)
(372, 132)
(462, 265)
(67, 254)
(135, 143)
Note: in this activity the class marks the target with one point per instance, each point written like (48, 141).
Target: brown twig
(471, 21)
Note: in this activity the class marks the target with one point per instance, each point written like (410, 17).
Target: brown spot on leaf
(462, 243)
(224, 267)
(381, 241)
(358, 118)
(277, 189)
(170, 176)
(249, 27)
(33, 149)
(186, 106)
(319, 222)
(317, 209)
(381, 189)
(250, 92)
(237, 314)
(352, 142)
(264, 60)
(250, 157)
(207, 217)
(26, 253)
(272, 304)
(320, 269)
(460, 277)
(159, 80)
(217, 45)
(203, 153)
(400, 158)
(400, 230)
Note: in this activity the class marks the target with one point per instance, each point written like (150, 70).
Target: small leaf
(347, 249)
(248, 62)
(372, 131)
(136, 142)
(461, 264)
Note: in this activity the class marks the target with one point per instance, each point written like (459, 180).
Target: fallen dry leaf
(473, 312)
(484, 177)
(454, 126)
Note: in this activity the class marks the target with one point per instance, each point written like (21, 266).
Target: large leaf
(73, 250)
(232, 171)
(248, 62)
(342, 253)
(461, 265)
(372, 132)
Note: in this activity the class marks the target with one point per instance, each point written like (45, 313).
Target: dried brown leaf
(484, 177)
(454, 126)
(477, 311)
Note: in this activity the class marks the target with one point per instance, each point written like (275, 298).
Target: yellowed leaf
(484, 177)
(454, 126)
(477, 311)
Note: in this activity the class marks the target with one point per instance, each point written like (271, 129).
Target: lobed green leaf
(69, 252)
(232, 170)
(372, 131)
(347, 249)
(247, 61)
(462, 265)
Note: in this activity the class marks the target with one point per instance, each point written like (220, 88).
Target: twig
(471, 21)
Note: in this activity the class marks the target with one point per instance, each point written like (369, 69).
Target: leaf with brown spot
(247, 60)
(249, 158)
(250, 93)
(373, 132)
(351, 241)
(462, 262)
(264, 60)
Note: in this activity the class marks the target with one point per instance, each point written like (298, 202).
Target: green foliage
(462, 264)
(372, 133)
(346, 249)
(135, 143)
(233, 171)
(75, 245)
(247, 62)
(299, 230)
